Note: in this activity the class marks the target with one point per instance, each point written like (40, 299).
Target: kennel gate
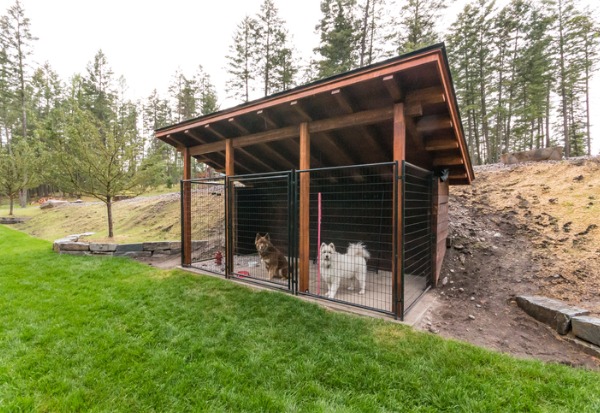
(260, 204)
(207, 220)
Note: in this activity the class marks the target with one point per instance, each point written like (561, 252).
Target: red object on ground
(218, 258)
(243, 273)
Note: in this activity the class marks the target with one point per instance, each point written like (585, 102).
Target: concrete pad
(555, 313)
(587, 328)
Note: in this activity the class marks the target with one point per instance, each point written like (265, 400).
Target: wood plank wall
(441, 192)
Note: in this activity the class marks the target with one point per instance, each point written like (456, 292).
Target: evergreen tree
(338, 38)
(241, 60)
(183, 95)
(274, 57)
(16, 41)
(206, 94)
(99, 91)
(372, 36)
(417, 25)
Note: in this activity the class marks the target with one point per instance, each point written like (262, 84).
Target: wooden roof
(349, 117)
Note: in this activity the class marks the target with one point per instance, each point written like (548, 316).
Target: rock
(444, 280)
(97, 248)
(459, 247)
(472, 298)
(73, 246)
(461, 289)
(52, 203)
(123, 248)
(535, 155)
(587, 328)
(471, 316)
(153, 246)
(11, 220)
(555, 313)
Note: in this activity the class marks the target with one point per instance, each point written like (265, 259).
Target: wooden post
(229, 208)
(399, 156)
(304, 207)
(186, 235)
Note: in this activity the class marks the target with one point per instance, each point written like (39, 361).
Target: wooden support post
(229, 209)
(304, 208)
(186, 235)
(399, 156)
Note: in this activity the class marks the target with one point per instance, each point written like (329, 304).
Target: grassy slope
(105, 334)
(142, 219)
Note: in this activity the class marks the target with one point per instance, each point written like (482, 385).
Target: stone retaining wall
(562, 317)
(73, 245)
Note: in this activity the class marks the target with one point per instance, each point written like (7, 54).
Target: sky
(147, 41)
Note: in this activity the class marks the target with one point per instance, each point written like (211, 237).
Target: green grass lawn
(108, 334)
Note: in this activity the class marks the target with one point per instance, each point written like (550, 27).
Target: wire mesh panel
(208, 224)
(351, 234)
(417, 233)
(260, 228)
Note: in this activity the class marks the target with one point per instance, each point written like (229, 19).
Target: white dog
(336, 267)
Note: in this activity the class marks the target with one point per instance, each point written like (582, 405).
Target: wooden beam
(300, 111)
(207, 148)
(458, 175)
(448, 161)
(392, 87)
(342, 100)
(269, 122)
(229, 158)
(215, 132)
(434, 123)
(194, 136)
(304, 212)
(367, 117)
(186, 233)
(399, 156)
(440, 144)
(238, 126)
(417, 99)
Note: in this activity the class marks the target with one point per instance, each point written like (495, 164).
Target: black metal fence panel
(208, 224)
(351, 234)
(417, 243)
(260, 228)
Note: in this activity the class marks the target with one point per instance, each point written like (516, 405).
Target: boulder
(154, 246)
(122, 248)
(555, 313)
(587, 328)
(73, 246)
(535, 155)
(98, 248)
(52, 203)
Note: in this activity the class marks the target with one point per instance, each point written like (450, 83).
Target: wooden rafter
(269, 122)
(391, 84)
(348, 106)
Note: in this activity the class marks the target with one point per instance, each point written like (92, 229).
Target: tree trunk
(563, 80)
(11, 204)
(548, 115)
(109, 215)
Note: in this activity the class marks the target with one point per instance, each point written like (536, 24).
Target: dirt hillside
(521, 229)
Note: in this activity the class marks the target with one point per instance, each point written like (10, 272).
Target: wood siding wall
(441, 192)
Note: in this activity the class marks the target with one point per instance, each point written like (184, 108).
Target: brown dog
(275, 261)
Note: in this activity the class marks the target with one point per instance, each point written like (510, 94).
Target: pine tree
(242, 59)
(371, 37)
(338, 39)
(16, 40)
(206, 94)
(183, 94)
(99, 91)
(417, 25)
(274, 56)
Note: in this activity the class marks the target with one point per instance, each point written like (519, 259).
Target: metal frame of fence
(358, 203)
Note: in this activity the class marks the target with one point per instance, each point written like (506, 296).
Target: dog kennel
(366, 156)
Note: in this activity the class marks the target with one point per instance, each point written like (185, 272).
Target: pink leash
(319, 246)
